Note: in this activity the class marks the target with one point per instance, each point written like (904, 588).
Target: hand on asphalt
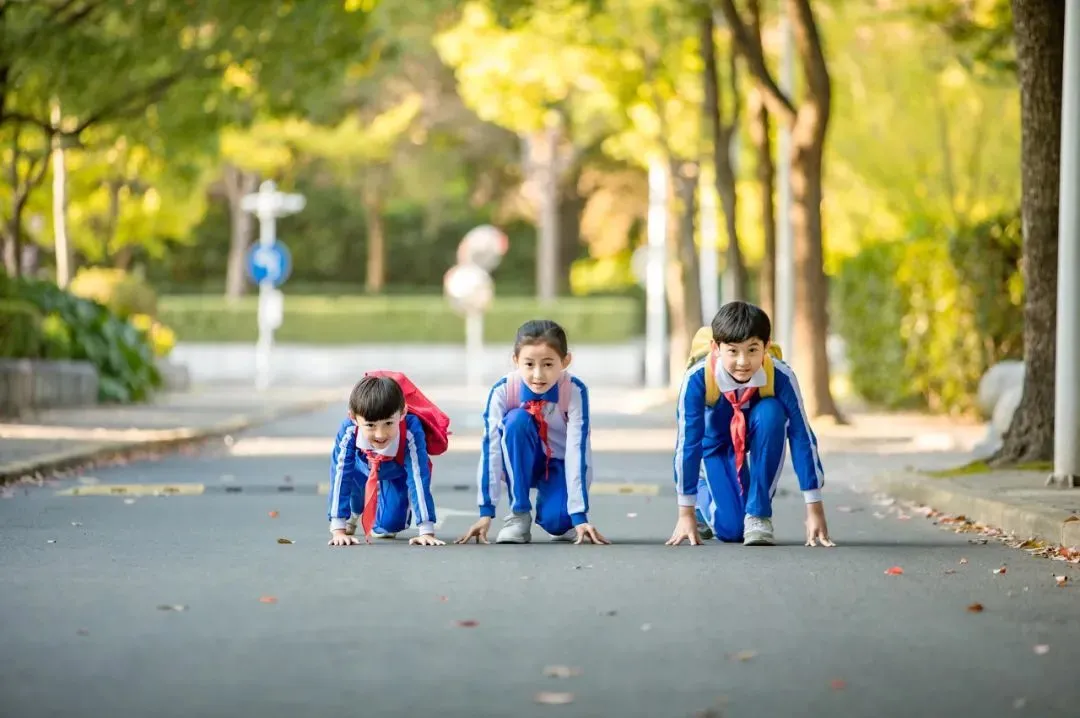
(685, 530)
(478, 530)
(341, 539)
(588, 531)
(426, 540)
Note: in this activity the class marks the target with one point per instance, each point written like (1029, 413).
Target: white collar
(388, 450)
(728, 383)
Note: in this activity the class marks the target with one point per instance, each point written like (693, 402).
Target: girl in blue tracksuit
(380, 475)
(536, 436)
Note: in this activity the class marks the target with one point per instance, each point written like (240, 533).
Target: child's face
(540, 366)
(379, 433)
(742, 360)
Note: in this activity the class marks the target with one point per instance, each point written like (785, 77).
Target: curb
(172, 438)
(1060, 527)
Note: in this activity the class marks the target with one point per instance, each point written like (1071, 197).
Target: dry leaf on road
(467, 623)
(1042, 649)
(999, 570)
(285, 540)
(838, 684)
(975, 608)
(273, 514)
(894, 571)
(963, 561)
(745, 656)
(175, 607)
(554, 699)
(1061, 581)
(267, 599)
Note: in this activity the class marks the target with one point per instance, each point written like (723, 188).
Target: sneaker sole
(761, 541)
(526, 539)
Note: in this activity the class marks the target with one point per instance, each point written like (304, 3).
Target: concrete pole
(784, 321)
(1067, 372)
(656, 339)
(61, 243)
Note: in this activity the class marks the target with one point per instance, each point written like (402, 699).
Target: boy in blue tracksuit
(379, 468)
(736, 408)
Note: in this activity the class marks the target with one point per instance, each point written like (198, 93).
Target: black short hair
(738, 322)
(376, 398)
(541, 331)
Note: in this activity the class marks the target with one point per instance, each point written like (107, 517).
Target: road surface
(188, 605)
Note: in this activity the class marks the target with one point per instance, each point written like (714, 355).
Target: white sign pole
(656, 368)
(474, 348)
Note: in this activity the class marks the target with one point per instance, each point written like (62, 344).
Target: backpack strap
(712, 388)
(564, 393)
(513, 391)
(402, 441)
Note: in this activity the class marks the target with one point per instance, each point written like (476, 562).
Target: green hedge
(399, 320)
(923, 319)
(20, 329)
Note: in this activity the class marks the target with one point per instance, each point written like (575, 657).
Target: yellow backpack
(700, 347)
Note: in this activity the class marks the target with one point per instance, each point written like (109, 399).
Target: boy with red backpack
(380, 466)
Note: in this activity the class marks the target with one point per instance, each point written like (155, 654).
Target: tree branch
(779, 103)
(808, 43)
(733, 68)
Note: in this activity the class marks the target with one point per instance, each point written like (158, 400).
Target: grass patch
(981, 467)
(406, 319)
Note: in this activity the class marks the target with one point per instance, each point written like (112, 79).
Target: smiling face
(379, 433)
(540, 366)
(742, 360)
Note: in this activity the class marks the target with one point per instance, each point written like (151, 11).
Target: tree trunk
(809, 123)
(238, 183)
(761, 141)
(1040, 47)
(722, 133)
(571, 205)
(683, 285)
(375, 278)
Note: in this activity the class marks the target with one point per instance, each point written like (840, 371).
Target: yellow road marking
(608, 489)
(135, 490)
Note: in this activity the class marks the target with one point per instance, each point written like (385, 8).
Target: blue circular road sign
(271, 263)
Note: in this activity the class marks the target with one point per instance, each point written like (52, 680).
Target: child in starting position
(536, 435)
(735, 401)
(379, 467)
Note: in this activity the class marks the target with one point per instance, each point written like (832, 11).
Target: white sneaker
(517, 528)
(569, 537)
(757, 531)
(705, 531)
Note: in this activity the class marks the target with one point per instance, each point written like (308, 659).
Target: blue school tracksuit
(512, 452)
(705, 458)
(404, 488)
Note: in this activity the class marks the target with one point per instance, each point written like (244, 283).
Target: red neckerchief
(738, 427)
(536, 409)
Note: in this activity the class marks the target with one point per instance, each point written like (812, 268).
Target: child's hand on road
(817, 530)
(426, 540)
(685, 529)
(341, 539)
(588, 531)
(478, 530)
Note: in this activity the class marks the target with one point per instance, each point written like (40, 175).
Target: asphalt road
(632, 629)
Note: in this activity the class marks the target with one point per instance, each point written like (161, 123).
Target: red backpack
(435, 422)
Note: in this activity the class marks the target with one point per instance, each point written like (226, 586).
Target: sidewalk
(1015, 502)
(60, 439)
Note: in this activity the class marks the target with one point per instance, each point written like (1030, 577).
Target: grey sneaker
(569, 537)
(517, 528)
(350, 525)
(704, 532)
(757, 531)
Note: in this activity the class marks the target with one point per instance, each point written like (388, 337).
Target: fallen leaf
(553, 699)
(444, 599)
(609, 613)
(175, 607)
(894, 571)
(999, 570)
(975, 608)
(744, 656)
(51, 541)
(267, 599)
(285, 540)
(273, 514)
(950, 570)
(1061, 581)
(76, 523)
(578, 567)
(963, 561)
(561, 672)
(467, 623)
(1042, 649)
(837, 684)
